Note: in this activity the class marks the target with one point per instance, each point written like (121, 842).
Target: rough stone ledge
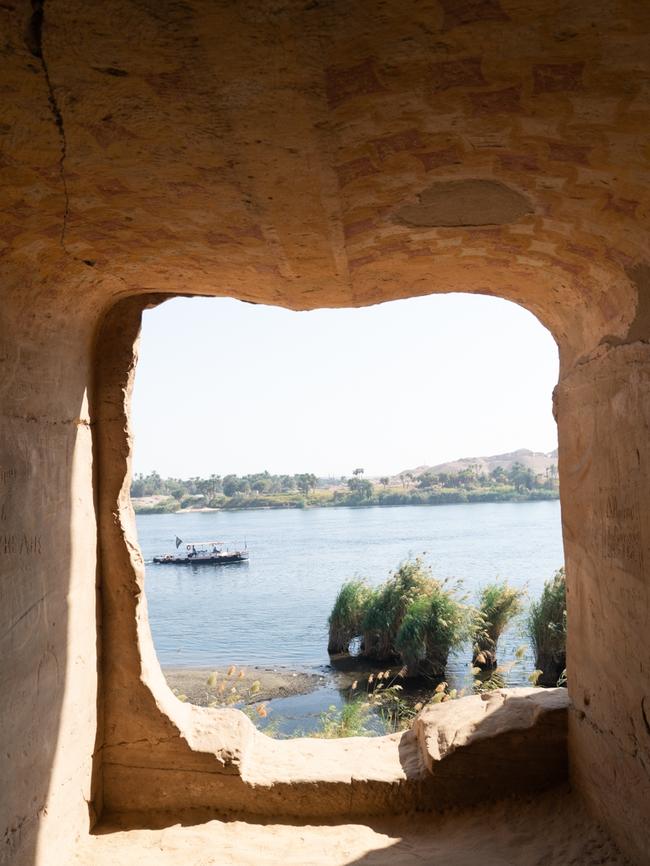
(552, 828)
(509, 742)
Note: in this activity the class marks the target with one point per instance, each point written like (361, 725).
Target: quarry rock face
(305, 155)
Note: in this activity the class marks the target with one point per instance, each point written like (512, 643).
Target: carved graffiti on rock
(621, 532)
(20, 544)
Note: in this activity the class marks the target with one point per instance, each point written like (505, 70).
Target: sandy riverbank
(273, 683)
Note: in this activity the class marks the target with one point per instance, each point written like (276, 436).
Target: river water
(272, 611)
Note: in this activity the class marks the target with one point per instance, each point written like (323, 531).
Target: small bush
(499, 603)
(380, 708)
(350, 721)
(547, 630)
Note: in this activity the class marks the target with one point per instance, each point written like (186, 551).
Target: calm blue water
(273, 610)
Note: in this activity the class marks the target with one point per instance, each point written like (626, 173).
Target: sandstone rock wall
(48, 603)
(604, 412)
(304, 154)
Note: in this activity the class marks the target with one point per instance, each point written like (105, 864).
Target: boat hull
(210, 559)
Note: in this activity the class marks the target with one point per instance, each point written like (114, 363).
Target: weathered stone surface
(507, 742)
(551, 829)
(262, 151)
(465, 203)
(513, 741)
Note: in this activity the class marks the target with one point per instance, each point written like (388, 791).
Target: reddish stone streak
(271, 270)
(522, 162)
(186, 186)
(50, 172)
(563, 265)
(110, 132)
(561, 151)
(51, 231)
(254, 232)
(506, 101)
(499, 263)
(19, 210)
(401, 141)
(483, 234)
(160, 233)
(580, 250)
(112, 187)
(166, 83)
(618, 257)
(351, 230)
(621, 205)
(113, 225)
(607, 305)
(9, 232)
(457, 73)
(356, 168)
(437, 158)
(354, 264)
(395, 246)
(217, 239)
(154, 202)
(91, 234)
(556, 77)
(459, 12)
(343, 84)
(511, 249)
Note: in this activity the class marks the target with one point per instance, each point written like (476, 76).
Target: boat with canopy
(203, 553)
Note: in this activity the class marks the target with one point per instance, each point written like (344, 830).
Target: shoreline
(192, 682)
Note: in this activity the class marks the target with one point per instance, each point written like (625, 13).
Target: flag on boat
(179, 541)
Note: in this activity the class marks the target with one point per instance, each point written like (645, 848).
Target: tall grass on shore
(346, 618)
(546, 627)
(499, 603)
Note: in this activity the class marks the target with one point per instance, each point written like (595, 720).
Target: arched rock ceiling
(301, 153)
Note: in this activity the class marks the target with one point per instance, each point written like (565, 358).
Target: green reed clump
(499, 603)
(547, 630)
(412, 619)
(433, 625)
(388, 606)
(346, 618)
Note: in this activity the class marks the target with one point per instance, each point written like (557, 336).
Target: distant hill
(538, 461)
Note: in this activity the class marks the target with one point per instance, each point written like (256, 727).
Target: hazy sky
(223, 386)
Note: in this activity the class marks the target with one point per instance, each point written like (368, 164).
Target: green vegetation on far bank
(152, 494)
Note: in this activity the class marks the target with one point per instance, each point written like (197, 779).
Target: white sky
(223, 386)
